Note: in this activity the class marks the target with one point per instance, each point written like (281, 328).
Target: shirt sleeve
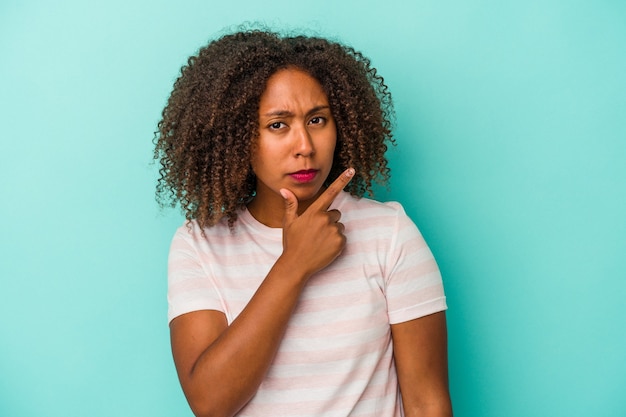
(190, 285)
(414, 287)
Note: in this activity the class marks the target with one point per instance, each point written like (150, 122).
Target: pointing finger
(326, 199)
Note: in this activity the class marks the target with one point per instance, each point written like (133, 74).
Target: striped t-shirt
(336, 358)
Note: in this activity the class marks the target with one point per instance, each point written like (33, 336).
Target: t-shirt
(336, 358)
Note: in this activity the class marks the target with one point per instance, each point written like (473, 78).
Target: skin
(297, 132)
(421, 356)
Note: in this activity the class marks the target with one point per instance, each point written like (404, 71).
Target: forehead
(292, 89)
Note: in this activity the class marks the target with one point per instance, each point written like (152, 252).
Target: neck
(269, 209)
(270, 213)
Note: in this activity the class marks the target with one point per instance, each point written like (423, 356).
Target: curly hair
(210, 124)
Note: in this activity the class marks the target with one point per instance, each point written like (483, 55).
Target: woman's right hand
(314, 239)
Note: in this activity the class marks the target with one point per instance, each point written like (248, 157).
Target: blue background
(511, 131)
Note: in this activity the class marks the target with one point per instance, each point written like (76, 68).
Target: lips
(305, 175)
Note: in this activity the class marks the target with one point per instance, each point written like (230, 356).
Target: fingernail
(283, 193)
(350, 172)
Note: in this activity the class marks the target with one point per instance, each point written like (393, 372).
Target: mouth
(305, 175)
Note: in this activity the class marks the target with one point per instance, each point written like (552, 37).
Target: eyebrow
(287, 113)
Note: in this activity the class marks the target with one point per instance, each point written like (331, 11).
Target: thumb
(291, 206)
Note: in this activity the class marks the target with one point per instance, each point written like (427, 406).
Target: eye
(276, 125)
(318, 120)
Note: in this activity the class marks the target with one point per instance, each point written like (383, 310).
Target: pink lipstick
(305, 175)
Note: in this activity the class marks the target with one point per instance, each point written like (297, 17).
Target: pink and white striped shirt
(336, 358)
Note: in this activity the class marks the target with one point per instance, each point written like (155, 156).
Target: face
(297, 138)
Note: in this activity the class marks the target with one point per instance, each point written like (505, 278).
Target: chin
(308, 195)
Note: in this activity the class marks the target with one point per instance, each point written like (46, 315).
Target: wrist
(291, 268)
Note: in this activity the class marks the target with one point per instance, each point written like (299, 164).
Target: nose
(303, 143)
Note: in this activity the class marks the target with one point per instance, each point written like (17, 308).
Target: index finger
(327, 197)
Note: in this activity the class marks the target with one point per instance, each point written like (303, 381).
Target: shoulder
(353, 208)
(191, 233)
(369, 220)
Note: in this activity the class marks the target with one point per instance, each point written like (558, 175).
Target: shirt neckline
(247, 219)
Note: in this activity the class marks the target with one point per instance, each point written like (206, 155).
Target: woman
(288, 296)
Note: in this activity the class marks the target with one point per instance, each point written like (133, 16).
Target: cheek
(332, 137)
(331, 144)
(265, 157)
(258, 154)
(258, 164)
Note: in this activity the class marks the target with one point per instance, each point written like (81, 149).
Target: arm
(220, 367)
(421, 357)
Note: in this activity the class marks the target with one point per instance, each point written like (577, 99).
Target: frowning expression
(297, 137)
